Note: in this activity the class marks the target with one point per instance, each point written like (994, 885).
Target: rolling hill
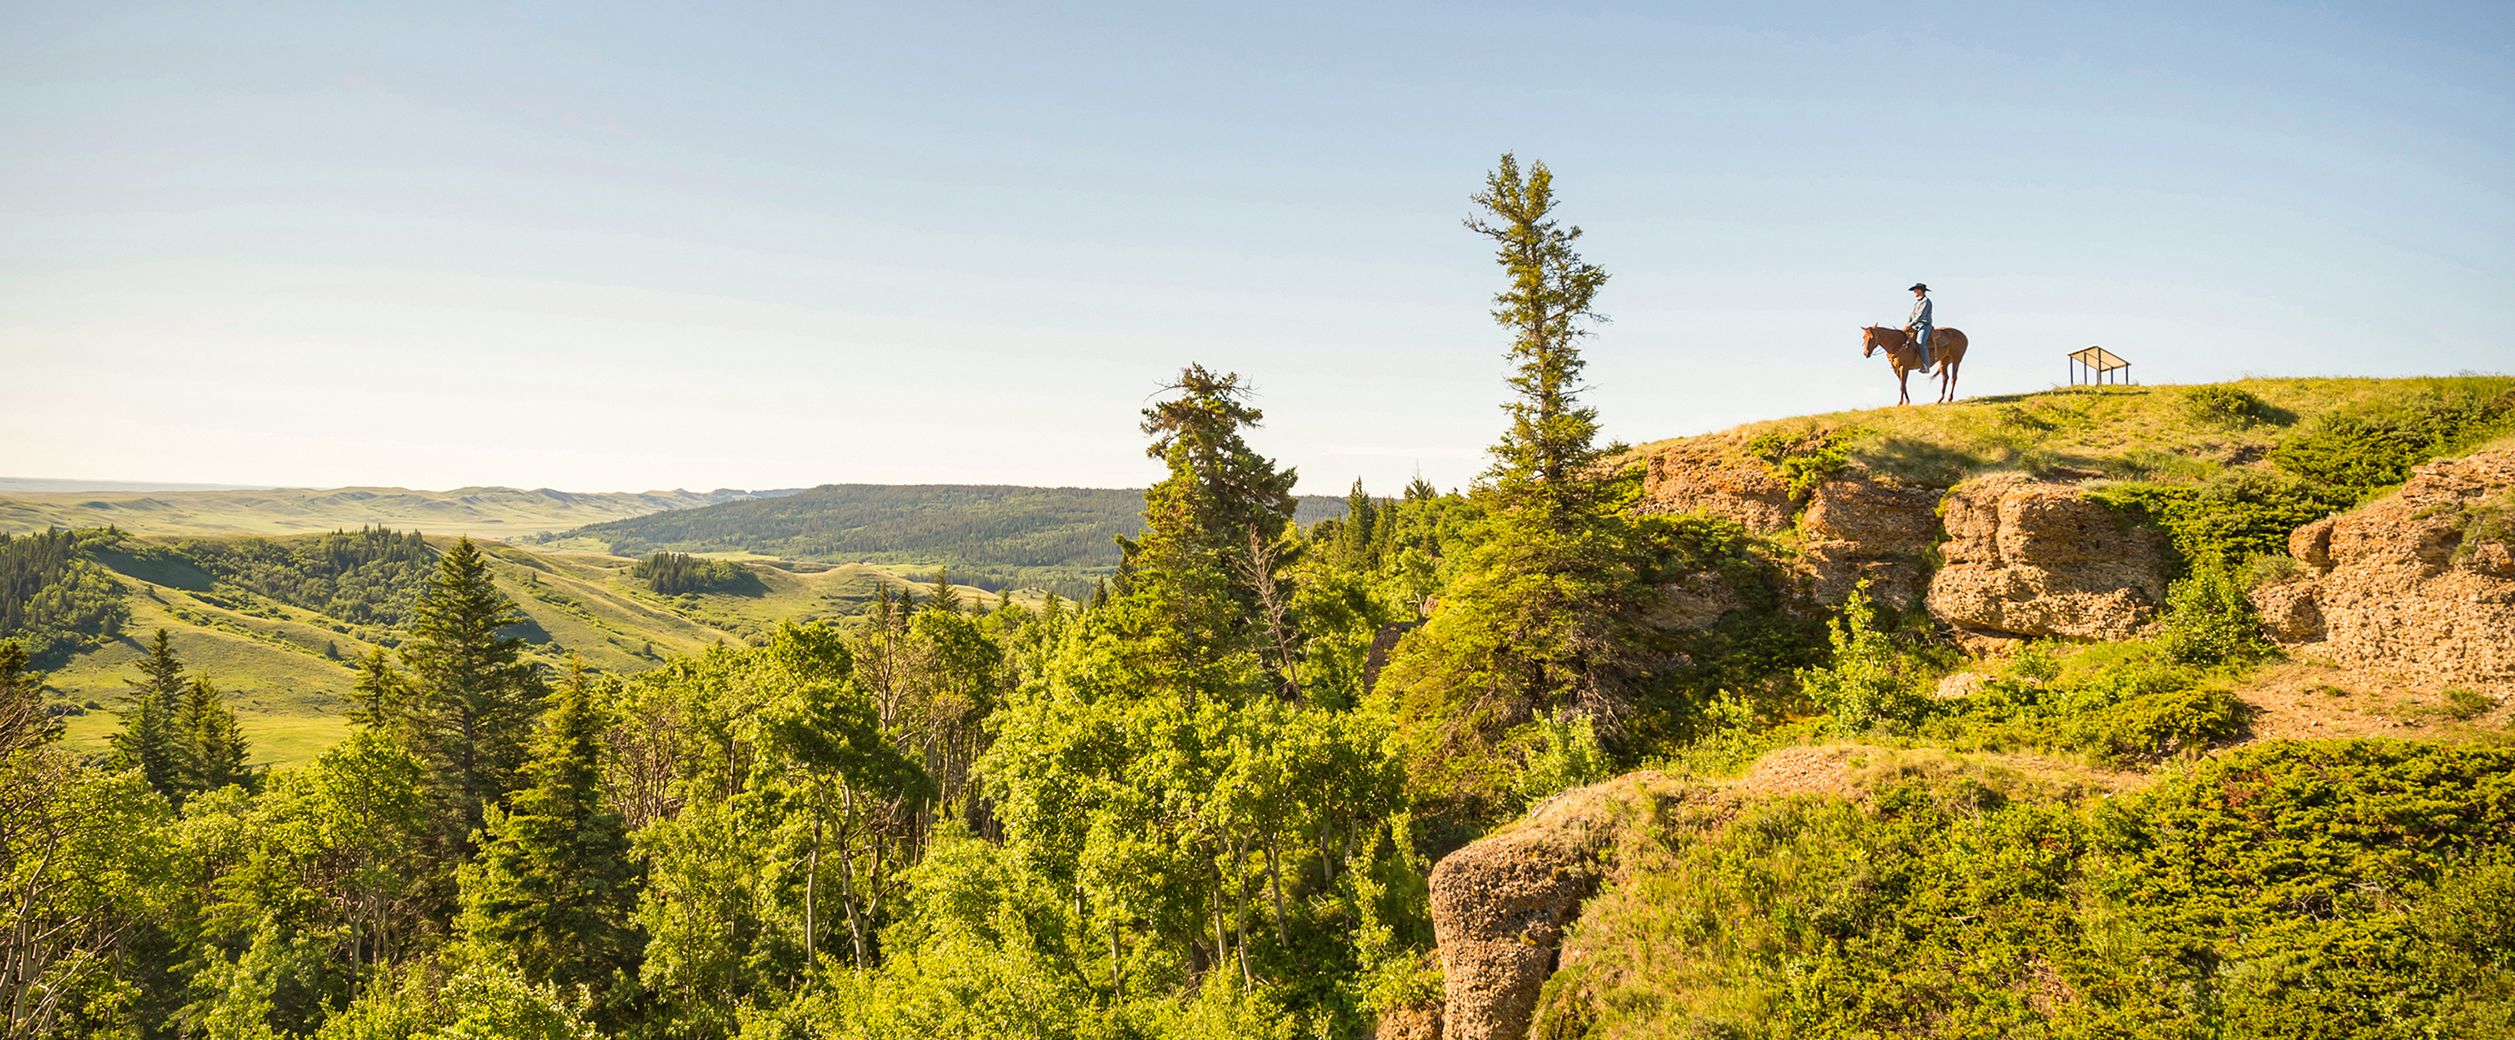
(281, 622)
(484, 512)
(994, 535)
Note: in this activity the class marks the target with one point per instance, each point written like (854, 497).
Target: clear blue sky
(611, 246)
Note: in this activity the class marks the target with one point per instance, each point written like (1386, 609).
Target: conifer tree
(1545, 458)
(1549, 609)
(940, 595)
(211, 748)
(149, 740)
(554, 883)
(23, 721)
(380, 700)
(473, 694)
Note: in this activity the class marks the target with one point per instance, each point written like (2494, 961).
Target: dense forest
(1059, 539)
(1205, 801)
(53, 600)
(672, 573)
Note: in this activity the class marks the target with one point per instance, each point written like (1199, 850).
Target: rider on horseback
(1919, 323)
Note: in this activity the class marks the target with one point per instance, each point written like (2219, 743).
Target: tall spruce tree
(554, 882)
(1546, 456)
(1548, 610)
(473, 695)
(149, 740)
(211, 749)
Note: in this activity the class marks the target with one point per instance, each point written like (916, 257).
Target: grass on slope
(288, 671)
(2167, 433)
(2283, 889)
(481, 512)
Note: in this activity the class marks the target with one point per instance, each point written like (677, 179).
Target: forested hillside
(997, 536)
(2030, 717)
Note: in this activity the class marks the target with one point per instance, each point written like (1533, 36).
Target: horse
(1947, 347)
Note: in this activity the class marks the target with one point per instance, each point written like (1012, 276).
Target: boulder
(1859, 529)
(2420, 582)
(2026, 558)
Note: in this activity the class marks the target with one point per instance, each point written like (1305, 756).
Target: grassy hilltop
(2165, 432)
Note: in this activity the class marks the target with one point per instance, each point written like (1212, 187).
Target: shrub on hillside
(1802, 460)
(1873, 679)
(2158, 725)
(2208, 620)
(1562, 753)
(2363, 452)
(2130, 709)
(2222, 405)
(2236, 515)
(2318, 890)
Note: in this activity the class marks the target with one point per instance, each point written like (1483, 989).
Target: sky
(624, 246)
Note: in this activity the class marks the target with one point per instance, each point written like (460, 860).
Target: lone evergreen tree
(1549, 609)
(1545, 458)
(473, 694)
(149, 740)
(554, 882)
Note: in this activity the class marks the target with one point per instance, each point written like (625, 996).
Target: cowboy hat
(1918, 287)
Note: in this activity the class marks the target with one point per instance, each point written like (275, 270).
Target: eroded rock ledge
(2028, 558)
(2420, 582)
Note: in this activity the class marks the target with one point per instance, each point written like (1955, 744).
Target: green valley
(996, 535)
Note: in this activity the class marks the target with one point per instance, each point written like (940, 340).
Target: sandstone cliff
(2016, 557)
(2027, 558)
(2420, 582)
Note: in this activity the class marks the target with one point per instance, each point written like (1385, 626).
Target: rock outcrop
(1868, 530)
(2026, 558)
(1499, 906)
(2418, 582)
(1710, 478)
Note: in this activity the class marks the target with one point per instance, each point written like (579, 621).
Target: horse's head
(1868, 340)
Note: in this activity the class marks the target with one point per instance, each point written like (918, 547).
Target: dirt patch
(2315, 700)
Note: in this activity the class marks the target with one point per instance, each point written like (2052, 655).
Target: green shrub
(2234, 516)
(2163, 724)
(2490, 521)
(2137, 708)
(2323, 889)
(1872, 678)
(2208, 620)
(2365, 451)
(2222, 405)
(1802, 460)
(1562, 753)
(2463, 703)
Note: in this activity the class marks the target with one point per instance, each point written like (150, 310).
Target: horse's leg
(1949, 370)
(1903, 385)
